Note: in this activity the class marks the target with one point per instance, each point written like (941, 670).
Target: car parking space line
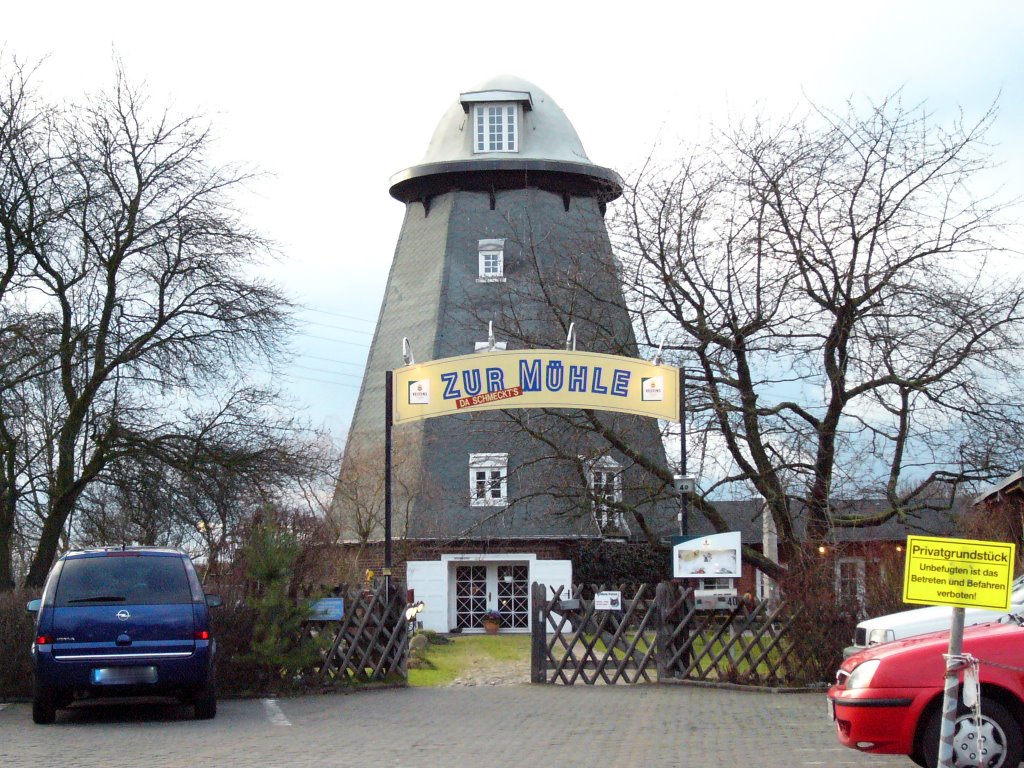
(274, 713)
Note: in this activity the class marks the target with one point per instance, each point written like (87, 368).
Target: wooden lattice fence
(659, 636)
(371, 642)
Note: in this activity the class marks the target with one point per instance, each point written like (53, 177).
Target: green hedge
(16, 628)
(612, 562)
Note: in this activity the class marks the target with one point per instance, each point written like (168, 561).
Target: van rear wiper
(98, 599)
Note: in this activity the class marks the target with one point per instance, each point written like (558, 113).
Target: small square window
(496, 128)
(492, 260)
(488, 479)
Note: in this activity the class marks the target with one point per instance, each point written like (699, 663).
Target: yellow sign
(958, 572)
(535, 378)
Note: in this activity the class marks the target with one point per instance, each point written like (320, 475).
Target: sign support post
(951, 689)
(389, 419)
(684, 495)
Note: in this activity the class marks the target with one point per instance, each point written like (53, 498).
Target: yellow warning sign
(958, 572)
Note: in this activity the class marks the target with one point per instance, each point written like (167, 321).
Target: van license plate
(123, 675)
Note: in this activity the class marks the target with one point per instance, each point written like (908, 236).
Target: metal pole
(389, 416)
(950, 696)
(684, 498)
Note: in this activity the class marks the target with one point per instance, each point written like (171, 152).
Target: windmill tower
(503, 244)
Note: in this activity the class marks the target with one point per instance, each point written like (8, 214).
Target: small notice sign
(327, 609)
(419, 392)
(652, 389)
(959, 572)
(608, 601)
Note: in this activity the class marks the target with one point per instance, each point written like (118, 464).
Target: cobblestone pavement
(492, 725)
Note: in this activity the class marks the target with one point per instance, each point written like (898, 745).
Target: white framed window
(850, 580)
(488, 479)
(605, 480)
(492, 260)
(496, 127)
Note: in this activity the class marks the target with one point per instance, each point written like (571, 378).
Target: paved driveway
(518, 725)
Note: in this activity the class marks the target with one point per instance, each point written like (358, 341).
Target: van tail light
(44, 640)
(202, 634)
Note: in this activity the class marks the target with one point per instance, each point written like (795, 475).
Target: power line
(324, 370)
(336, 327)
(295, 376)
(323, 381)
(328, 360)
(311, 308)
(336, 341)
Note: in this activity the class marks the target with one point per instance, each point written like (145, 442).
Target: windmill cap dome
(547, 145)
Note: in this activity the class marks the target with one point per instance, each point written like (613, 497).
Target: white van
(919, 621)
(714, 594)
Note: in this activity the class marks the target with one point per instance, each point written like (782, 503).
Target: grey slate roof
(745, 516)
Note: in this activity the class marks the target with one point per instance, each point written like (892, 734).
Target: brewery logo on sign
(652, 388)
(419, 392)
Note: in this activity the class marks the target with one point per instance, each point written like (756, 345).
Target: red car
(888, 698)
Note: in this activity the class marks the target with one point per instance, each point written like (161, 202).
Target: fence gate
(659, 636)
(573, 642)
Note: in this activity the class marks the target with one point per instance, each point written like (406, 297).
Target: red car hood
(918, 661)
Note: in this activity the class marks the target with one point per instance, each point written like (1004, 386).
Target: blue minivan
(130, 621)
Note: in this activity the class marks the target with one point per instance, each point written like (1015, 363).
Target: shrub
(16, 628)
(238, 671)
(614, 562)
(280, 646)
(823, 625)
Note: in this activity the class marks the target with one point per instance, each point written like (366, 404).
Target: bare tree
(838, 291)
(356, 510)
(566, 278)
(132, 260)
(196, 486)
(26, 209)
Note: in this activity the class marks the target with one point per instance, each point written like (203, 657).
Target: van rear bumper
(164, 672)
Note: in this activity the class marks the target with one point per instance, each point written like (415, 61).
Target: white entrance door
(504, 587)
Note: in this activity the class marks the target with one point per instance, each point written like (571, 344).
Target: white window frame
(605, 469)
(491, 253)
(860, 580)
(488, 479)
(503, 115)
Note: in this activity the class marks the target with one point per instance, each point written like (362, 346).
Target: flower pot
(491, 627)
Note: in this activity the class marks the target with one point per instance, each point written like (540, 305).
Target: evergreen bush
(280, 645)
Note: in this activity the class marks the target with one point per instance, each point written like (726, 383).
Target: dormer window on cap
(496, 117)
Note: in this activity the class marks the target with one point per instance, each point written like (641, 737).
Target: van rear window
(134, 580)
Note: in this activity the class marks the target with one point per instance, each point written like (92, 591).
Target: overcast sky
(331, 100)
